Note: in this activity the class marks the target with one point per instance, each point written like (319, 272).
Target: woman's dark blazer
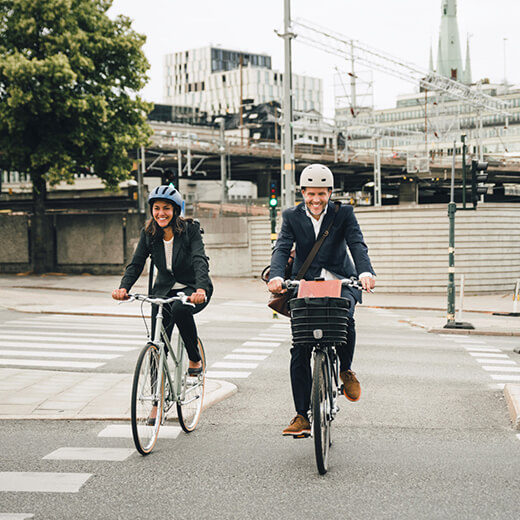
(190, 263)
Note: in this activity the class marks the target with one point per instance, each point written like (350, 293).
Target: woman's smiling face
(162, 213)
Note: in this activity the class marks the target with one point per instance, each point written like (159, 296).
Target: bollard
(516, 297)
(461, 297)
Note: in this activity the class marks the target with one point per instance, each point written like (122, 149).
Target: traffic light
(170, 176)
(478, 175)
(273, 198)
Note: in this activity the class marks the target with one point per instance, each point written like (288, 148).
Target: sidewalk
(105, 396)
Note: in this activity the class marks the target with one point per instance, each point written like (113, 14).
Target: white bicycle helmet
(316, 176)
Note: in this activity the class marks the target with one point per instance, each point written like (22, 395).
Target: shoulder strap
(317, 245)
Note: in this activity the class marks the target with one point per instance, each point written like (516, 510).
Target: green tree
(69, 77)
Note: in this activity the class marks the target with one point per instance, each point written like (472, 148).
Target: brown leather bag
(280, 302)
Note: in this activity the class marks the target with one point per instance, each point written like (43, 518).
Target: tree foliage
(68, 81)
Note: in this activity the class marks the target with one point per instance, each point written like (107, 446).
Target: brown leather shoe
(299, 427)
(351, 386)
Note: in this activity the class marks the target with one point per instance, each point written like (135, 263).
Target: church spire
(467, 69)
(449, 61)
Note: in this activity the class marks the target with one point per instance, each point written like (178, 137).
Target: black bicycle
(320, 323)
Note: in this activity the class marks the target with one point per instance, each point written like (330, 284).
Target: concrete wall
(408, 245)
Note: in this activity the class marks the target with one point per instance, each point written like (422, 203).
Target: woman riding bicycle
(177, 250)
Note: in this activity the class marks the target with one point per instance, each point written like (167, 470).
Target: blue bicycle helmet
(168, 194)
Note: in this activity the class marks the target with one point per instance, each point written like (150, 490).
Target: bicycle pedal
(302, 436)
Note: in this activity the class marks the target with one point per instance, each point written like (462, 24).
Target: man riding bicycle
(302, 225)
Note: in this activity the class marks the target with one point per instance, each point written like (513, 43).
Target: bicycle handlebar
(349, 282)
(181, 297)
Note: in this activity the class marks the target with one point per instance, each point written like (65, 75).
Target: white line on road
(483, 354)
(112, 329)
(464, 339)
(43, 363)
(270, 339)
(226, 374)
(121, 338)
(254, 350)
(230, 364)
(260, 344)
(245, 357)
(501, 369)
(48, 346)
(124, 431)
(61, 355)
(42, 482)
(496, 361)
(504, 377)
(109, 454)
(480, 349)
(73, 339)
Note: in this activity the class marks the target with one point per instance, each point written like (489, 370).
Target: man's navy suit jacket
(297, 229)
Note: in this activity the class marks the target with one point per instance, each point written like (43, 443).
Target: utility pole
(452, 208)
(463, 139)
(288, 182)
(141, 168)
(223, 173)
(377, 173)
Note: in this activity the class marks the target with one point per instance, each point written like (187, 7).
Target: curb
(512, 395)
(225, 389)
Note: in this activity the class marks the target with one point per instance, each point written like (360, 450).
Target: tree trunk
(42, 236)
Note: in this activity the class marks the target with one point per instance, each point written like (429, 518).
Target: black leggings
(176, 313)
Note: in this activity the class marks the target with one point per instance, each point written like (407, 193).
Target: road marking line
(109, 454)
(270, 338)
(79, 327)
(505, 377)
(225, 374)
(124, 431)
(518, 436)
(497, 386)
(480, 349)
(260, 344)
(230, 364)
(496, 361)
(483, 354)
(16, 516)
(14, 481)
(254, 350)
(501, 369)
(72, 339)
(43, 363)
(469, 340)
(245, 357)
(122, 338)
(68, 347)
(61, 355)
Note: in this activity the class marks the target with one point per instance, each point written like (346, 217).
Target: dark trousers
(301, 376)
(181, 315)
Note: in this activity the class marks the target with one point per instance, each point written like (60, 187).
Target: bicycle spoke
(147, 400)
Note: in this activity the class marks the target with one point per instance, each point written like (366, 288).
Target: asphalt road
(430, 438)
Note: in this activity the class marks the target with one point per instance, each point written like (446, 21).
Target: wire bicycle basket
(320, 320)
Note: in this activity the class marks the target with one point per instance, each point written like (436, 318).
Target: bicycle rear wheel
(147, 393)
(189, 407)
(320, 408)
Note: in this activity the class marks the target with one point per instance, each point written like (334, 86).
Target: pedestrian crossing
(240, 363)
(498, 365)
(68, 342)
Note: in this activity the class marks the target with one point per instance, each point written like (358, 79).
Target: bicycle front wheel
(189, 407)
(147, 400)
(320, 408)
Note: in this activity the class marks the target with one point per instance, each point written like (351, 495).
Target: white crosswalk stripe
(73, 342)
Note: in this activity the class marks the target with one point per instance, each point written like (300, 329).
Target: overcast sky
(403, 28)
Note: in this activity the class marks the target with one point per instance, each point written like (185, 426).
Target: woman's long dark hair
(177, 223)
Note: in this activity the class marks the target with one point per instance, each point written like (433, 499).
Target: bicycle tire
(147, 391)
(190, 407)
(320, 408)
